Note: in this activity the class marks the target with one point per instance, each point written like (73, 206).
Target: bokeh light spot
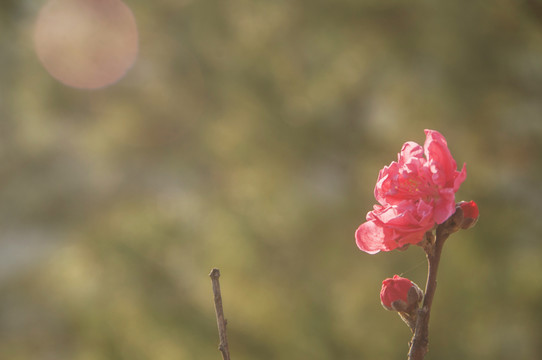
(86, 43)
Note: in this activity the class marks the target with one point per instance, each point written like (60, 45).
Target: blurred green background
(248, 136)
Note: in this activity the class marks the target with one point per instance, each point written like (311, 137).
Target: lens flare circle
(86, 44)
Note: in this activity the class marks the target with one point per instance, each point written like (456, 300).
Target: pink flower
(400, 294)
(390, 227)
(414, 193)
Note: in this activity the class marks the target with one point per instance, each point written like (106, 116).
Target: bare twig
(220, 320)
(420, 339)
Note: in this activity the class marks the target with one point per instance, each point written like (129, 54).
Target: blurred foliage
(248, 137)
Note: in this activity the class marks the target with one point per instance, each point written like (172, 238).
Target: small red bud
(470, 214)
(400, 294)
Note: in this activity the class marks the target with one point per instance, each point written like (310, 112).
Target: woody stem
(420, 339)
(221, 321)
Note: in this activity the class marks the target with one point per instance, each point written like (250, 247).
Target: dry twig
(220, 320)
(420, 339)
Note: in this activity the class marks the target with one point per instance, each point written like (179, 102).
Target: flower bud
(400, 294)
(470, 214)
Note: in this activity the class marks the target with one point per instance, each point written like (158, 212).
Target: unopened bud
(404, 296)
(400, 294)
(470, 214)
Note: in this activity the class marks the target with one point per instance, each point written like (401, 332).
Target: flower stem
(420, 339)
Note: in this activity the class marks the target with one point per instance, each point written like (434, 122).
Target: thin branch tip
(220, 319)
(215, 273)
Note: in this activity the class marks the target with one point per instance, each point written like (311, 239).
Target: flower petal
(370, 238)
(439, 158)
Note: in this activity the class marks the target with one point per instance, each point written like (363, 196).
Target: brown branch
(220, 320)
(420, 339)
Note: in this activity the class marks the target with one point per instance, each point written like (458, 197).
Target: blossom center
(416, 187)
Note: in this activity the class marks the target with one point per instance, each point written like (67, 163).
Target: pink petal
(412, 238)
(444, 205)
(370, 238)
(383, 186)
(460, 177)
(410, 150)
(441, 162)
